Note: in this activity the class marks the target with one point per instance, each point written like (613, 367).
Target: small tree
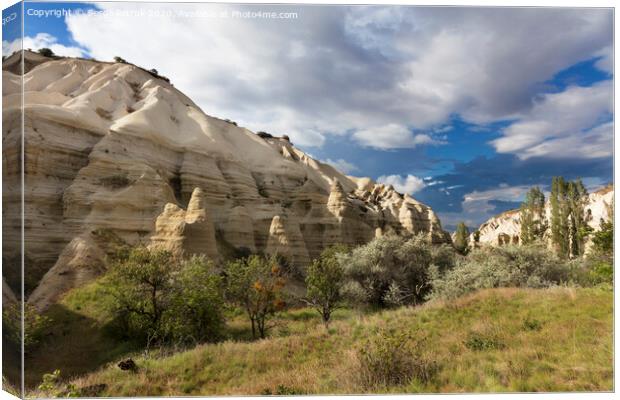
(324, 283)
(196, 308)
(46, 52)
(121, 60)
(461, 238)
(140, 284)
(255, 283)
(532, 216)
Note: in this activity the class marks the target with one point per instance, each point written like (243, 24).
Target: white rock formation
(111, 146)
(505, 228)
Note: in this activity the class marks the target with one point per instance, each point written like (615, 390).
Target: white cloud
(41, 40)
(477, 206)
(339, 69)
(342, 165)
(564, 125)
(391, 136)
(409, 184)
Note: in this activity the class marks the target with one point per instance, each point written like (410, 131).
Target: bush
(197, 303)
(324, 280)
(159, 298)
(255, 284)
(120, 60)
(507, 266)
(393, 270)
(45, 52)
(35, 325)
(390, 358)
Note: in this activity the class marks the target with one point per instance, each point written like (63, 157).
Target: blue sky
(463, 108)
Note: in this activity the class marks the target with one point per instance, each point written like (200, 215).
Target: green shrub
(44, 51)
(324, 280)
(255, 284)
(507, 266)
(35, 325)
(480, 341)
(159, 298)
(389, 358)
(394, 270)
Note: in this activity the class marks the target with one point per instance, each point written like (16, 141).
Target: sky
(463, 108)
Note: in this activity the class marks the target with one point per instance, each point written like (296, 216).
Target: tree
(569, 228)
(140, 284)
(197, 303)
(121, 60)
(461, 238)
(255, 283)
(46, 52)
(532, 216)
(324, 281)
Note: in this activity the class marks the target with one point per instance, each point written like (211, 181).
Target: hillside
(505, 228)
(492, 341)
(114, 152)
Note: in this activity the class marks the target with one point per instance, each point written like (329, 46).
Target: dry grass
(570, 349)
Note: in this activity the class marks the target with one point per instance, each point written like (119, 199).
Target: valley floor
(496, 340)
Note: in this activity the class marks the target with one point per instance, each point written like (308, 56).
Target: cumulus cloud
(342, 165)
(391, 136)
(404, 184)
(570, 124)
(40, 41)
(353, 70)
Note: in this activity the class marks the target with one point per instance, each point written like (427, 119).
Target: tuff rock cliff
(114, 152)
(505, 228)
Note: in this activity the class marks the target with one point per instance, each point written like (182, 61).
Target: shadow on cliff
(74, 344)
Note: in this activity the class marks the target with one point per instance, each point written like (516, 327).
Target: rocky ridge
(111, 149)
(505, 228)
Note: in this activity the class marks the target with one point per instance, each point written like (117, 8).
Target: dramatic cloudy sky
(464, 108)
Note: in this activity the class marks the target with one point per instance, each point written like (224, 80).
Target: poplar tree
(461, 238)
(532, 216)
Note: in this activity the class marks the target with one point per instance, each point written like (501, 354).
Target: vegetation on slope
(557, 339)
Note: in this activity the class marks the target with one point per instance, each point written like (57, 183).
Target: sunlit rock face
(505, 228)
(112, 147)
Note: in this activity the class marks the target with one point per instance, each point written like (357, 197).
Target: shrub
(394, 266)
(507, 266)
(324, 280)
(480, 341)
(35, 325)
(390, 358)
(255, 283)
(159, 298)
(121, 60)
(197, 303)
(46, 52)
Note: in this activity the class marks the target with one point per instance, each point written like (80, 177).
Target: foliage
(121, 60)
(532, 216)
(461, 238)
(46, 52)
(324, 280)
(35, 325)
(393, 266)
(507, 266)
(603, 240)
(476, 236)
(160, 299)
(197, 303)
(569, 229)
(390, 358)
(255, 283)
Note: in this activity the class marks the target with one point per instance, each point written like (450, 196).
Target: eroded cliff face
(505, 228)
(111, 148)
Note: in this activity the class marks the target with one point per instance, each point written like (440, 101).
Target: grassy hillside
(494, 340)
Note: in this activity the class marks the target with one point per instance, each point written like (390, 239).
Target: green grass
(492, 341)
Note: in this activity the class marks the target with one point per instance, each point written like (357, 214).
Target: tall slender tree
(569, 228)
(532, 216)
(461, 238)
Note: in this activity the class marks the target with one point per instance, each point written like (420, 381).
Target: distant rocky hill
(505, 228)
(115, 153)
